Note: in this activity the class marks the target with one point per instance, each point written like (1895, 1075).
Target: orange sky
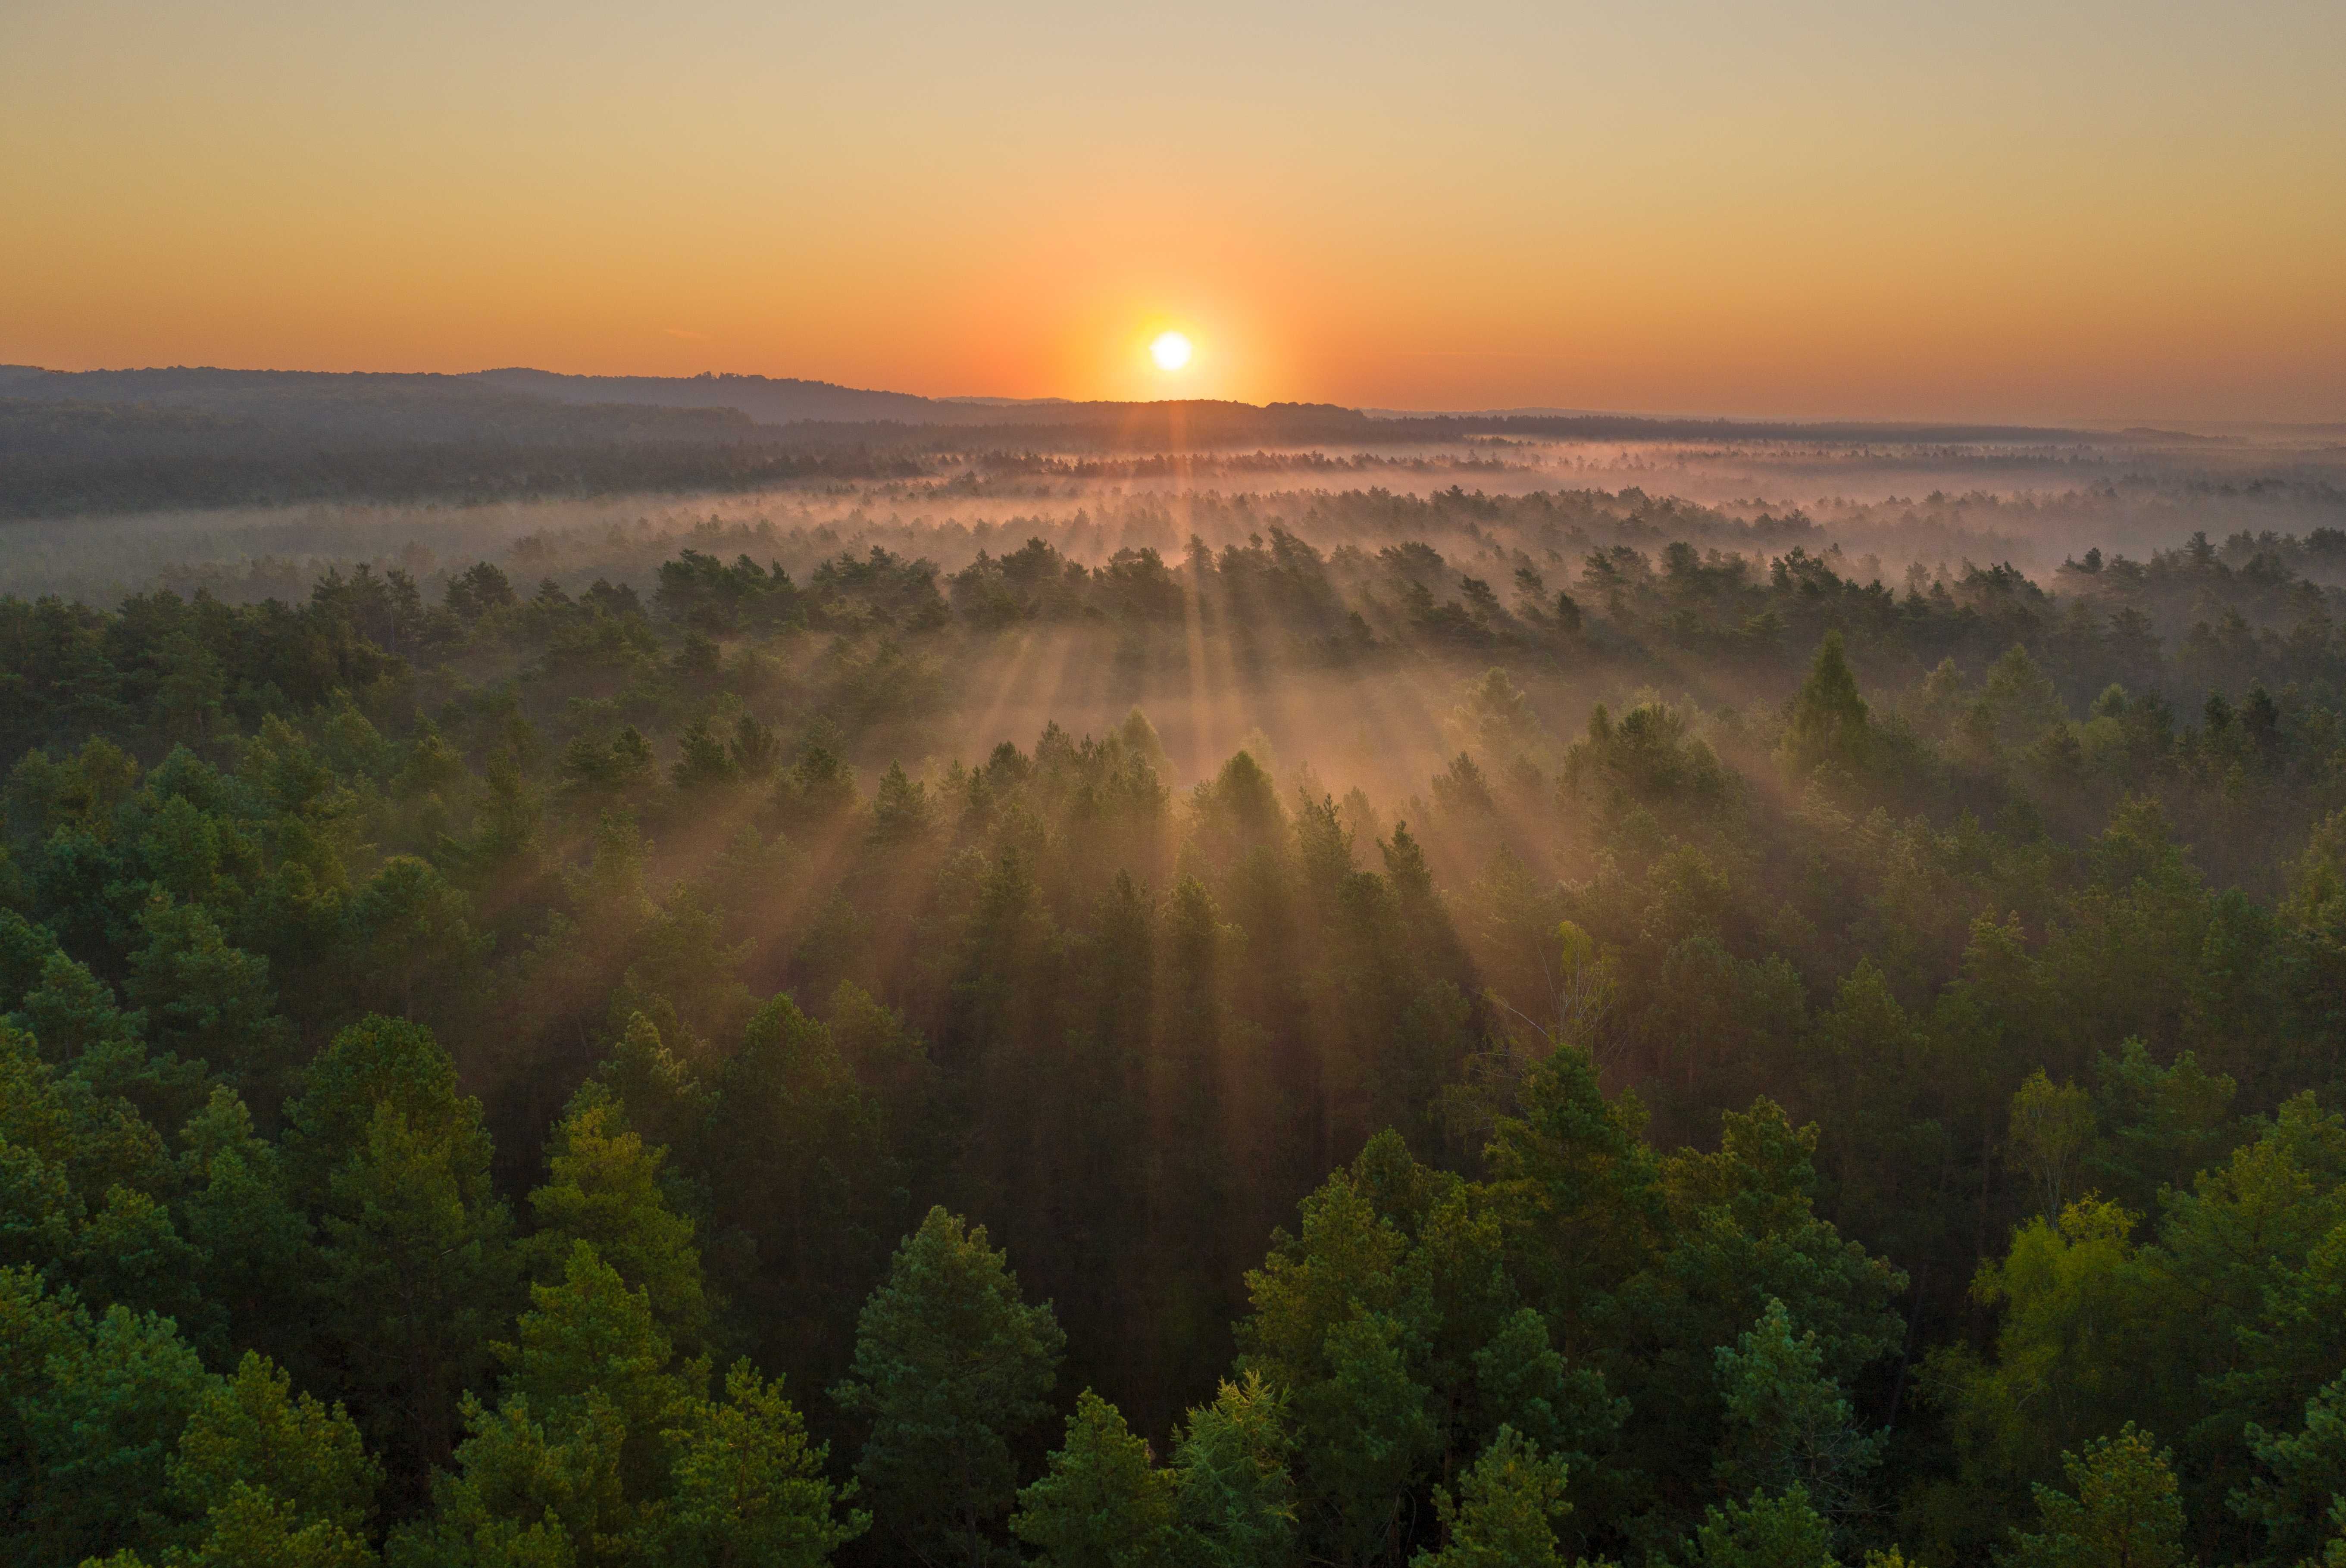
(2117, 212)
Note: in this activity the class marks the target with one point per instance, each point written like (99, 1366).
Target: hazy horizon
(2179, 422)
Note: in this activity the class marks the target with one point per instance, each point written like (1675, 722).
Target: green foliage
(1577, 1189)
(604, 1188)
(376, 1063)
(800, 1179)
(950, 1365)
(604, 1448)
(747, 1488)
(702, 762)
(81, 1176)
(1103, 1502)
(815, 793)
(418, 955)
(102, 1414)
(2160, 1125)
(1505, 1513)
(1765, 1531)
(2304, 1474)
(2125, 1512)
(252, 1528)
(1233, 1490)
(1325, 1328)
(524, 1492)
(2051, 1127)
(264, 1477)
(38, 1330)
(1524, 1383)
(589, 1341)
(900, 812)
(417, 1264)
(2019, 699)
(1649, 1106)
(2069, 1346)
(1367, 1430)
(1788, 1423)
(210, 1001)
(253, 1242)
(2222, 1321)
(1827, 721)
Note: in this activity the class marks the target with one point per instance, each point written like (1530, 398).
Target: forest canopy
(1345, 1019)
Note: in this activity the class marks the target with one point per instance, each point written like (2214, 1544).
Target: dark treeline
(103, 441)
(1678, 1052)
(350, 439)
(44, 484)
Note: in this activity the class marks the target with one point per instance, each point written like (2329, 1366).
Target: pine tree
(418, 954)
(1828, 720)
(255, 1246)
(1103, 1503)
(590, 1337)
(747, 1489)
(1234, 1493)
(573, 1459)
(2305, 1473)
(1505, 1511)
(101, 1420)
(206, 1000)
(257, 1462)
(417, 1272)
(1765, 1531)
(950, 1365)
(1787, 1422)
(1522, 1382)
(604, 1188)
(2127, 1513)
(253, 1527)
(525, 1492)
(1370, 1433)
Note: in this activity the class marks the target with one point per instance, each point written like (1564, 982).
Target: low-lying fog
(1894, 506)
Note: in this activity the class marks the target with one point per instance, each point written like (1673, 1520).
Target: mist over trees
(91, 442)
(1380, 1005)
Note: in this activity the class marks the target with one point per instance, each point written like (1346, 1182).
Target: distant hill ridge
(769, 400)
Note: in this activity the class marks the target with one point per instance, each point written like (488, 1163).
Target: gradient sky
(1993, 209)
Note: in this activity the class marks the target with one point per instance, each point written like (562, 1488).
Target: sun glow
(1170, 351)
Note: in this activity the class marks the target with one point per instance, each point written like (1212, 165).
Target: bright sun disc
(1170, 351)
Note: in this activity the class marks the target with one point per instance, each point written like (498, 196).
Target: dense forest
(1364, 1027)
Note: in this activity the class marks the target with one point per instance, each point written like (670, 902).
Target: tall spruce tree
(951, 1365)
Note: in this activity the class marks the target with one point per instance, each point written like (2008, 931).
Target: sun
(1170, 351)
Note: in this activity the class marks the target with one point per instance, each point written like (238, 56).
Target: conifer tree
(1765, 1531)
(1827, 719)
(101, 1419)
(1505, 1511)
(1232, 1487)
(1103, 1502)
(950, 1365)
(2125, 1512)
(416, 1262)
(250, 1427)
(1788, 1423)
(604, 1188)
(747, 1489)
(2305, 1475)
